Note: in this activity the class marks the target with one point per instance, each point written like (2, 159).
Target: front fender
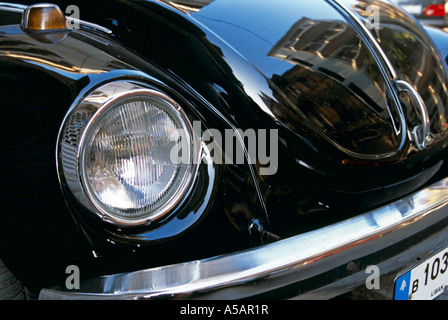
(42, 230)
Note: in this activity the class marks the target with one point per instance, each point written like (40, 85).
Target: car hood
(309, 71)
(324, 77)
(345, 129)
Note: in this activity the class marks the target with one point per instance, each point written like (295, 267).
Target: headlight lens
(125, 165)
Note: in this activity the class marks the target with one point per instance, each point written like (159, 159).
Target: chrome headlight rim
(96, 104)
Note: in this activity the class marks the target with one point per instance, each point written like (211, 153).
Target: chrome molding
(88, 25)
(419, 135)
(12, 7)
(369, 35)
(255, 271)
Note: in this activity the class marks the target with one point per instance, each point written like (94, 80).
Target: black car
(226, 149)
(432, 12)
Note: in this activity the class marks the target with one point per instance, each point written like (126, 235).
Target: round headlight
(126, 170)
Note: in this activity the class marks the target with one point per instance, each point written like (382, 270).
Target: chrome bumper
(319, 264)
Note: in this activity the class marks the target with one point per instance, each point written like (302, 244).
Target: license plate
(413, 9)
(426, 281)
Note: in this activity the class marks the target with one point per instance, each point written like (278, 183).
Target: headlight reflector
(125, 171)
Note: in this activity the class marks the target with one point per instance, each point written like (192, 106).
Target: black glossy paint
(297, 67)
(320, 73)
(41, 228)
(415, 60)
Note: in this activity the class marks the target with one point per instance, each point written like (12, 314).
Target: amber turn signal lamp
(43, 17)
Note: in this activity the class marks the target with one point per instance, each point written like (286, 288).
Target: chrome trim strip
(420, 134)
(430, 246)
(388, 71)
(89, 25)
(370, 36)
(12, 7)
(244, 274)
